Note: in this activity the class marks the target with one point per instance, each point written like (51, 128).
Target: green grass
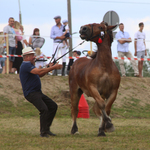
(19, 128)
(132, 109)
(23, 133)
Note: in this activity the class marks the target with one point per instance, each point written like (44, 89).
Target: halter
(101, 37)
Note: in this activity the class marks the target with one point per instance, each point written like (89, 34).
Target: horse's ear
(111, 27)
(102, 22)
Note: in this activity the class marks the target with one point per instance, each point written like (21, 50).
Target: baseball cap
(56, 17)
(64, 21)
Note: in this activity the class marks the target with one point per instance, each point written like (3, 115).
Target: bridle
(98, 35)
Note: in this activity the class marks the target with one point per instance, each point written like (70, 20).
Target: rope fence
(48, 57)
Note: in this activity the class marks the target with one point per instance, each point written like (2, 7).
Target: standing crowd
(60, 33)
(123, 39)
(16, 39)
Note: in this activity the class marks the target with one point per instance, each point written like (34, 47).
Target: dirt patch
(133, 88)
(57, 88)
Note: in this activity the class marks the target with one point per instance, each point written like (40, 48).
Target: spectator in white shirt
(12, 41)
(123, 39)
(140, 47)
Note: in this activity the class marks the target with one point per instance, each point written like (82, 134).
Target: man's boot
(63, 69)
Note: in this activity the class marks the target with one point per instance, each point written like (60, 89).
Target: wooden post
(7, 59)
(70, 25)
(91, 47)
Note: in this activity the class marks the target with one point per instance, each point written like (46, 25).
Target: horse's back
(79, 65)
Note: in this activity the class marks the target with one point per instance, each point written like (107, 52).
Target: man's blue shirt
(122, 47)
(30, 82)
(56, 31)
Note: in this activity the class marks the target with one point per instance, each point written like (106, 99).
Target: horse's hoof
(101, 133)
(74, 131)
(109, 127)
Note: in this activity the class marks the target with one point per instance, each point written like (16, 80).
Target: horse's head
(96, 32)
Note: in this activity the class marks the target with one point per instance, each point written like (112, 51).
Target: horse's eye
(101, 28)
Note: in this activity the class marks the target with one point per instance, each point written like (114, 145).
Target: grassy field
(19, 120)
(19, 130)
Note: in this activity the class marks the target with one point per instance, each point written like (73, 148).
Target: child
(39, 61)
(66, 32)
(76, 55)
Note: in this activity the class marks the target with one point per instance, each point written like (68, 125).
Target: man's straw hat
(27, 51)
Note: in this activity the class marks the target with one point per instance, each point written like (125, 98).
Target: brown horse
(98, 78)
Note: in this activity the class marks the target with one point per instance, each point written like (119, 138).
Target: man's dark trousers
(47, 108)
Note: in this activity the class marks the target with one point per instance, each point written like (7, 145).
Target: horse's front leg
(106, 121)
(75, 97)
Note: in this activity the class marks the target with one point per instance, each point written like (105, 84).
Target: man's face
(11, 22)
(31, 58)
(57, 20)
(141, 27)
(121, 27)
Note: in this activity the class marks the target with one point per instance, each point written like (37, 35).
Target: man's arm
(5, 36)
(123, 40)
(135, 47)
(30, 40)
(42, 72)
(60, 37)
(5, 31)
(53, 36)
(25, 41)
(128, 40)
(145, 48)
(16, 41)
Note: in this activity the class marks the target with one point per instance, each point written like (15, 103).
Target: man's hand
(51, 64)
(61, 37)
(58, 66)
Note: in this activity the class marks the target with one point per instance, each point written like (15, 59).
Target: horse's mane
(110, 33)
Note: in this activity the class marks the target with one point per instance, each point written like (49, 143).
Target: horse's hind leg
(109, 103)
(75, 97)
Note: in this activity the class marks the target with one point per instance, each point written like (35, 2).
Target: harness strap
(98, 35)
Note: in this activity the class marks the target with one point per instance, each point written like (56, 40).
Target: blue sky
(40, 13)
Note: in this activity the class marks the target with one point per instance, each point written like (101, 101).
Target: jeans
(47, 108)
(12, 51)
(2, 62)
(121, 62)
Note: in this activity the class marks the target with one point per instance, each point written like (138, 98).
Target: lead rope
(70, 50)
